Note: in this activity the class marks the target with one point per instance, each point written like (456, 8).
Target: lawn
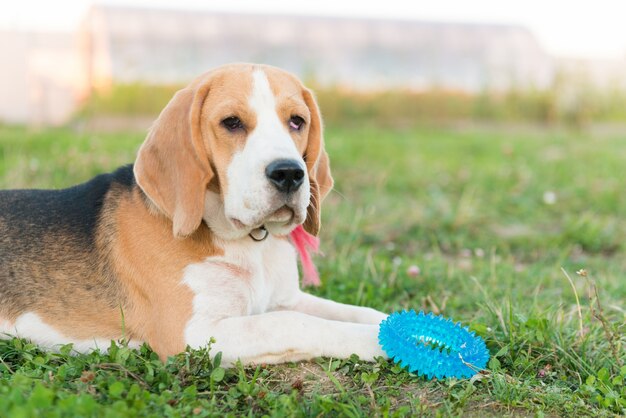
(518, 232)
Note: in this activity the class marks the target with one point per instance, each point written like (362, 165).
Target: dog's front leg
(328, 309)
(281, 336)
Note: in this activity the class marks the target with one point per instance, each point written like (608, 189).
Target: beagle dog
(189, 243)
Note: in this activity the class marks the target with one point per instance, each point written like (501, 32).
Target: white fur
(221, 291)
(30, 326)
(215, 218)
(250, 197)
(263, 317)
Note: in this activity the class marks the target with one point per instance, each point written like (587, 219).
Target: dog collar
(259, 234)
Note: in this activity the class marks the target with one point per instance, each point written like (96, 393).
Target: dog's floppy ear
(318, 166)
(172, 166)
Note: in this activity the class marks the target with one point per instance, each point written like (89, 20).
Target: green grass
(570, 100)
(490, 216)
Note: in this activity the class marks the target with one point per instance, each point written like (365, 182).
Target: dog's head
(241, 147)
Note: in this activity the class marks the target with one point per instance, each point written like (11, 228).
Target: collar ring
(259, 234)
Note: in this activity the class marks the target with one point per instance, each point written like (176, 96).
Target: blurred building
(174, 46)
(41, 77)
(45, 76)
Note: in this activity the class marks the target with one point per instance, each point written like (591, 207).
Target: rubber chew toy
(431, 345)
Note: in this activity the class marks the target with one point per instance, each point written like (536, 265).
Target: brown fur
(150, 263)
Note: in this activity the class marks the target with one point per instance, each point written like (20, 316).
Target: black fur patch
(48, 239)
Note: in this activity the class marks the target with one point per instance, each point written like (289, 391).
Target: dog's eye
(232, 123)
(296, 123)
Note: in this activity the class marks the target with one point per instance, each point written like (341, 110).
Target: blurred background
(486, 124)
(478, 150)
(117, 63)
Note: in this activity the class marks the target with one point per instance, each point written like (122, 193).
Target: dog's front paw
(362, 341)
(372, 316)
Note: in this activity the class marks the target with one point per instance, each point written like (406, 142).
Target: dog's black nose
(286, 175)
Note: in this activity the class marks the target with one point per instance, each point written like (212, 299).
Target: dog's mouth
(280, 217)
(283, 215)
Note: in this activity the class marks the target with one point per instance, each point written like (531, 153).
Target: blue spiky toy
(432, 345)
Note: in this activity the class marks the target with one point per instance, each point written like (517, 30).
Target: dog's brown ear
(318, 166)
(172, 166)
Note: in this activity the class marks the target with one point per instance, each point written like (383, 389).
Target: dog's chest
(250, 278)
